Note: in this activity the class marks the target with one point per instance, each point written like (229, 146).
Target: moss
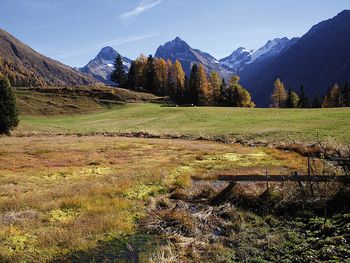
(62, 215)
(142, 191)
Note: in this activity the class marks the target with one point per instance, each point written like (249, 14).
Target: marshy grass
(62, 194)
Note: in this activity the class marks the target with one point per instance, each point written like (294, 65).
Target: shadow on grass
(122, 249)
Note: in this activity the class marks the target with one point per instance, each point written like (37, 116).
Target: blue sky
(73, 31)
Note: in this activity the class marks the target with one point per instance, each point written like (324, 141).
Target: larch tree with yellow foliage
(279, 95)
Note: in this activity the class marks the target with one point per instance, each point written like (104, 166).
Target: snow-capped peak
(242, 56)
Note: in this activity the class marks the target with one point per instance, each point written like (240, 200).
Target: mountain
(102, 65)
(242, 57)
(317, 60)
(26, 67)
(178, 49)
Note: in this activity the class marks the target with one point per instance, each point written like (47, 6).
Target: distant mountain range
(26, 67)
(177, 49)
(102, 65)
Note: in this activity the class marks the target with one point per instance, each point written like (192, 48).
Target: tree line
(337, 96)
(165, 78)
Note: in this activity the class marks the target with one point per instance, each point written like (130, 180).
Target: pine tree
(279, 95)
(119, 75)
(317, 103)
(303, 101)
(346, 95)
(151, 76)
(8, 109)
(132, 82)
(193, 85)
(223, 94)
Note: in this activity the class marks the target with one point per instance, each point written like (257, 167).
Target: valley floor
(271, 125)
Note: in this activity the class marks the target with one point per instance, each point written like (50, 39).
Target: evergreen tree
(8, 109)
(132, 81)
(193, 85)
(151, 76)
(279, 95)
(346, 95)
(303, 100)
(317, 103)
(223, 93)
(119, 75)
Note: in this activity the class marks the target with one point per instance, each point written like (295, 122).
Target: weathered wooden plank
(284, 178)
(223, 194)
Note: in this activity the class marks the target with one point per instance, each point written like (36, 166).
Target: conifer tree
(292, 99)
(223, 93)
(8, 109)
(203, 86)
(179, 76)
(303, 101)
(237, 96)
(279, 95)
(317, 103)
(140, 72)
(335, 97)
(151, 76)
(119, 75)
(215, 88)
(346, 95)
(162, 75)
(132, 82)
(193, 85)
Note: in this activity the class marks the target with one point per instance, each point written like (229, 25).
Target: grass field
(64, 194)
(305, 125)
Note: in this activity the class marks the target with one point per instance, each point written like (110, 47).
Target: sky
(73, 31)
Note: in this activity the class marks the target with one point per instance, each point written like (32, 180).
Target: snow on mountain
(102, 65)
(238, 59)
(243, 57)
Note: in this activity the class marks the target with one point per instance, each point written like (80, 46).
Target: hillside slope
(26, 67)
(317, 60)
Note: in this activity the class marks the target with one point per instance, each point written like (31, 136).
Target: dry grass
(61, 194)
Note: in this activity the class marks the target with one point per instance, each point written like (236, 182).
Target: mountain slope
(178, 49)
(26, 67)
(101, 66)
(317, 60)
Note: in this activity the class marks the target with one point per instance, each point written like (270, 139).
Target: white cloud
(143, 6)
